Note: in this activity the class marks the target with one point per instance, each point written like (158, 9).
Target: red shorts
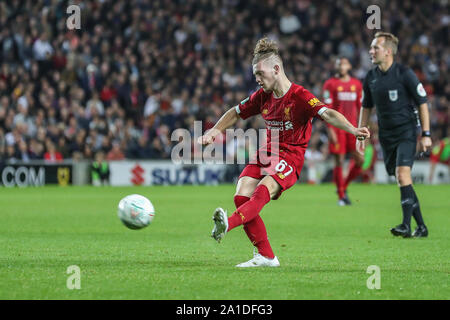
(284, 169)
(346, 143)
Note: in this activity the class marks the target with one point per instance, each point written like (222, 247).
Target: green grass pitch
(324, 250)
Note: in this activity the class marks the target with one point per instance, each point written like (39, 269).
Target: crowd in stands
(136, 70)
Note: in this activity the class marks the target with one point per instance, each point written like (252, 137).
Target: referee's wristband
(426, 134)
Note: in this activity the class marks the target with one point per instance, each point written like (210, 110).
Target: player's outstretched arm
(227, 120)
(337, 120)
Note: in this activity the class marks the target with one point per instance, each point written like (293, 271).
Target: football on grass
(136, 211)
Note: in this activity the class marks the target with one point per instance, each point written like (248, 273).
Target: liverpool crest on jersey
(287, 113)
(393, 95)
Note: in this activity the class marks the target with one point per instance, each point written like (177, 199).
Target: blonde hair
(266, 48)
(390, 41)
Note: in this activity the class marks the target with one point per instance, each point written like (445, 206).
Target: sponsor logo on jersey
(313, 102)
(288, 125)
(347, 96)
(274, 123)
(279, 125)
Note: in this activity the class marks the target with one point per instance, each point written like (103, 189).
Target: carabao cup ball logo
(133, 212)
(136, 211)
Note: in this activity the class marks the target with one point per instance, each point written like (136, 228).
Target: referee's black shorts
(399, 149)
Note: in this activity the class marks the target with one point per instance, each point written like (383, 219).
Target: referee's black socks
(410, 205)
(417, 214)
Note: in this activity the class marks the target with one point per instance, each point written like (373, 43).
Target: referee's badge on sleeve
(393, 95)
(421, 90)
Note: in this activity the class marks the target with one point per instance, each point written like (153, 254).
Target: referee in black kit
(394, 89)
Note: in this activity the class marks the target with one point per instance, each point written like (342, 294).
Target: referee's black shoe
(401, 230)
(420, 232)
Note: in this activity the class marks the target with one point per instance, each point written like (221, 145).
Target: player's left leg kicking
(244, 190)
(249, 205)
(256, 187)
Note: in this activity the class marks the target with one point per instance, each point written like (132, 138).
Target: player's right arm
(338, 120)
(228, 119)
(312, 107)
(245, 109)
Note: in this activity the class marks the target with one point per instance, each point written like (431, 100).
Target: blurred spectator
(115, 153)
(11, 154)
(52, 155)
(63, 148)
(289, 22)
(42, 49)
(23, 150)
(90, 81)
(94, 106)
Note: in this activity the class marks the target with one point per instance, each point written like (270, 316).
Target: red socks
(339, 181)
(250, 209)
(240, 200)
(255, 229)
(353, 172)
(256, 232)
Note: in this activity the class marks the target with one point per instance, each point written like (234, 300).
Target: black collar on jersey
(388, 70)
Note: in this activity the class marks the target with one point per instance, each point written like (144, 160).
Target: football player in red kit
(343, 94)
(287, 109)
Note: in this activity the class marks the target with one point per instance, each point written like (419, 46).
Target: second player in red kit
(344, 94)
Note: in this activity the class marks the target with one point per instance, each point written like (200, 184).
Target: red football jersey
(290, 115)
(345, 97)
